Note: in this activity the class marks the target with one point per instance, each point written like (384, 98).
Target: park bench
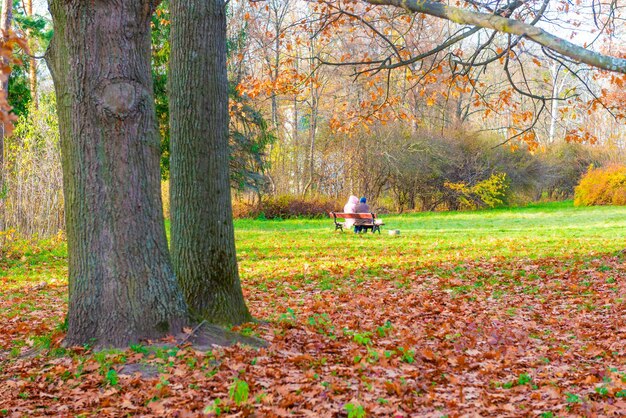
(370, 223)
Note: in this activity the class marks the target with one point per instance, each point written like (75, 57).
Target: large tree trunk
(122, 286)
(203, 242)
(5, 26)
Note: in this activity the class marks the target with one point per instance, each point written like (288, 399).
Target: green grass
(273, 248)
(537, 231)
(33, 262)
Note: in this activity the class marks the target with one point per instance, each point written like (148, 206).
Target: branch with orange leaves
(9, 41)
(510, 26)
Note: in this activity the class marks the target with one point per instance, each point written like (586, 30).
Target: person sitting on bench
(350, 207)
(362, 207)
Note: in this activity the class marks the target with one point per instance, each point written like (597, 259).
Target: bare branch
(510, 26)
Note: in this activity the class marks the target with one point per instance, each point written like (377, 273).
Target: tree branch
(510, 26)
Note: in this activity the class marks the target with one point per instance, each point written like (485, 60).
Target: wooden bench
(370, 223)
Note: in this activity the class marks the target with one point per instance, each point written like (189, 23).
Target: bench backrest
(352, 215)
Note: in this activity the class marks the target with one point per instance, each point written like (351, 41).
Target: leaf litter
(487, 337)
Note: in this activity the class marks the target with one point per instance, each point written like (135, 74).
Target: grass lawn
(512, 312)
(547, 230)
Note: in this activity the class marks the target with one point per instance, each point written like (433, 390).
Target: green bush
(602, 186)
(493, 192)
(490, 193)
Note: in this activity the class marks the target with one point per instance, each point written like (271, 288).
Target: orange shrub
(242, 209)
(602, 186)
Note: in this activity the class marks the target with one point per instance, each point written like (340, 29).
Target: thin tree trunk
(274, 97)
(294, 150)
(312, 121)
(203, 241)
(122, 286)
(311, 151)
(556, 90)
(295, 144)
(5, 26)
(32, 62)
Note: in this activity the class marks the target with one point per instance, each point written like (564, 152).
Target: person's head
(363, 200)
(353, 199)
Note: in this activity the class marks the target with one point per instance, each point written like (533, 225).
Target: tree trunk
(122, 286)
(32, 62)
(203, 241)
(556, 90)
(5, 26)
(311, 150)
(313, 121)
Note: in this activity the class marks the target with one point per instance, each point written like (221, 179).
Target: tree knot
(119, 97)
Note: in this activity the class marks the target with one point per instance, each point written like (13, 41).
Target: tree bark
(203, 241)
(122, 287)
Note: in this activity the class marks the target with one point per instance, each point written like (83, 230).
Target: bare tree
(499, 32)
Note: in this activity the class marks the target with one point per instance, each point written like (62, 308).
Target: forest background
(310, 125)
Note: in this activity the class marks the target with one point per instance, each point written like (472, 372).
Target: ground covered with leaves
(501, 313)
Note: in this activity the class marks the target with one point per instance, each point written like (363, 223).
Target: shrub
(565, 164)
(493, 192)
(490, 193)
(271, 207)
(289, 206)
(243, 209)
(602, 186)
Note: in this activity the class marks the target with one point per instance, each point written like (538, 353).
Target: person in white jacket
(350, 207)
